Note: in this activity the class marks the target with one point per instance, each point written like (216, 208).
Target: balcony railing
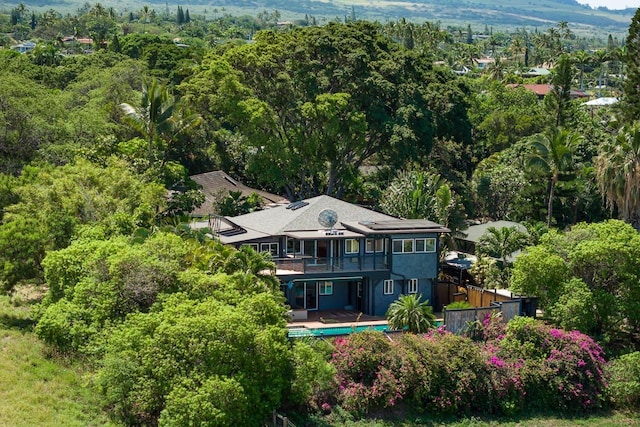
(303, 265)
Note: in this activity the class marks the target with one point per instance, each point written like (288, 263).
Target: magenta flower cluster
(525, 364)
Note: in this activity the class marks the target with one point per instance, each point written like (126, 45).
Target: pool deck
(336, 319)
(339, 319)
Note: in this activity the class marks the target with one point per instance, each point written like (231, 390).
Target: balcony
(306, 265)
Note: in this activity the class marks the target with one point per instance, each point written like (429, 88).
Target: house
(536, 72)
(24, 47)
(215, 183)
(471, 236)
(542, 90)
(334, 255)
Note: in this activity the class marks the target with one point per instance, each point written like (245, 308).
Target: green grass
(605, 419)
(36, 390)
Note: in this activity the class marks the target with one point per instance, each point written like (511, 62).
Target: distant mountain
(500, 14)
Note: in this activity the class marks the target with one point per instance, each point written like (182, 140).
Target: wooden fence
(479, 297)
(460, 320)
(281, 421)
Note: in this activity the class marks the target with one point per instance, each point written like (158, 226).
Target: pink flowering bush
(526, 364)
(559, 369)
(366, 365)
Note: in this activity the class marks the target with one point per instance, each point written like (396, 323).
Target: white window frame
(374, 245)
(387, 287)
(412, 286)
(351, 246)
(403, 243)
(325, 288)
(429, 244)
(269, 248)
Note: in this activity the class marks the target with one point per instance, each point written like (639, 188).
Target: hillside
(500, 14)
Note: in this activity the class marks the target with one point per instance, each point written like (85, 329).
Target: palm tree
(553, 155)
(618, 173)
(502, 242)
(158, 116)
(582, 58)
(408, 312)
(145, 14)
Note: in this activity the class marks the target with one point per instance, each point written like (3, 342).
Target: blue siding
(338, 300)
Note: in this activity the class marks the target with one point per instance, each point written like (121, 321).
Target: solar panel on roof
(297, 205)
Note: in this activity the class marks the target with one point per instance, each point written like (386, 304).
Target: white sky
(612, 4)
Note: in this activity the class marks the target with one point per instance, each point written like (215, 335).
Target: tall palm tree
(502, 242)
(553, 154)
(582, 58)
(158, 117)
(408, 312)
(618, 173)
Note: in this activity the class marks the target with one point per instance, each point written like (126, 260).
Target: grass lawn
(605, 419)
(35, 390)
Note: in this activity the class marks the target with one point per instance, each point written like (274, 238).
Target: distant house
(24, 47)
(216, 183)
(471, 236)
(334, 255)
(483, 63)
(536, 72)
(541, 90)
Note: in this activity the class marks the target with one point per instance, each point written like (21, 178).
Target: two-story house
(333, 255)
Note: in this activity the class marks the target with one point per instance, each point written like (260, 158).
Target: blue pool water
(333, 331)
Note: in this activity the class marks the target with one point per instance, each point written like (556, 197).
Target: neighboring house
(471, 236)
(484, 63)
(536, 72)
(218, 183)
(541, 90)
(333, 255)
(24, 47)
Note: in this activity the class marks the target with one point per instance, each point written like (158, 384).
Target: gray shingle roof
(279, 219)
(216, 182)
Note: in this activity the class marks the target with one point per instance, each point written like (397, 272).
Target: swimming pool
(332, 331)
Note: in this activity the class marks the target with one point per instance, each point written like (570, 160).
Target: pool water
(334, 331)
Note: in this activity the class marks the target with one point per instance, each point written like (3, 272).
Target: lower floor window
(412, 287)
(388, 287)
(326, 288)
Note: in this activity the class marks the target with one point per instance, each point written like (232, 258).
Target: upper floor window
(375, 245)
(388, 287)
(294, 246)
(272, 248)
(403, 246)
(351, 246)
(407, 246)
(426, 245)
(412, 286)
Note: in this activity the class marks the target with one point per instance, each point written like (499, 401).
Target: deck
(336, 318)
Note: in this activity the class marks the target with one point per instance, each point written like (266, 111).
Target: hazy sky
(612, 4)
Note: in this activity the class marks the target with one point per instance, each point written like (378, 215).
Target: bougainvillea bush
(502, 370)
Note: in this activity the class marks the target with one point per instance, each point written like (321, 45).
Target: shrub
(313, 375)
(563, 370)
(366, 372)
(624, 375)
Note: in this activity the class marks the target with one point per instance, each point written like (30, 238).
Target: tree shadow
(24, 324)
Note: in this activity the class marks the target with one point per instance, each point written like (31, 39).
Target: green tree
(159, 118)
(618, 173)
(631, 94)
(502, 242)
(408, 312)
(553, 155)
